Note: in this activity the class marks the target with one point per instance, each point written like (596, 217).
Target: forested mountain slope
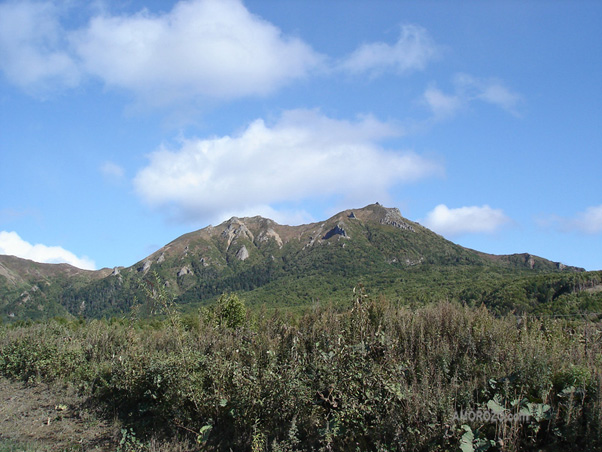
(280, 265)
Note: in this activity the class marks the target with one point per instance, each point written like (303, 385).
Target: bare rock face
(161, 258)
(242, 253)
(268, 234)
(393, 218)
(236, 229)
(337, 230)
(146, 265)
(185, 271)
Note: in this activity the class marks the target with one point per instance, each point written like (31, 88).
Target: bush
(370, 377)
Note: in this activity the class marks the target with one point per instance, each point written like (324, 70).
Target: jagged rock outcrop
(393, 218)
(337, 230)
(236, 229)
(146, 265)
(530, 261)
(268, 234)
(242, 253)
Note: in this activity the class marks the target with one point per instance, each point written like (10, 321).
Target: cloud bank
(465, 220)
(12, 244)
(304, 155)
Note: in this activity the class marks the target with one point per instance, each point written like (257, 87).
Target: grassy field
(368, 376)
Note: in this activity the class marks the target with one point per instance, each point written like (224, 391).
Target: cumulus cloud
(589, 221)
(463, 220)
(12, 244)
(412, 51)
(468, 89)
(209, 48)
(199, 49)
(214, 48)
(33, 52)
(304, 155)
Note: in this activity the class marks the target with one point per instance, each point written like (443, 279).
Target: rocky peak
(234, 229)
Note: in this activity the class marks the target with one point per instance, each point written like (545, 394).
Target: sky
(125, 124)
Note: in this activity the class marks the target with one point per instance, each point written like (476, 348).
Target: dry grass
(50, 417)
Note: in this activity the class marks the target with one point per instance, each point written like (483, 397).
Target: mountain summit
(271, 263)
(374, 235)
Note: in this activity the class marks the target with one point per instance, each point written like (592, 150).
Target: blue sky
(126, 124)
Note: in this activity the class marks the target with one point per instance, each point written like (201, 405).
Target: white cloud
(589, 221)
(463, 220)
(209, 48)
(412, 51)
(468, 89)
(33, 53)
(198, 50)
(496, 93)
(489, 90)
(441, 104)
(213, 48)
(12, 244)
(304, 155)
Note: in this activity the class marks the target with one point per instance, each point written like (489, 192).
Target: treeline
(502, 290)
(372, 376)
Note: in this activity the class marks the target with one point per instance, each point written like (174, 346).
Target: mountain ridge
(263, 259)
(321, 231)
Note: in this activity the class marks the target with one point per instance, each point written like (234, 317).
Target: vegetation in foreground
(373, 376)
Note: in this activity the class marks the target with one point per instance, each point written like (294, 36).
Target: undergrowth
(375, 376)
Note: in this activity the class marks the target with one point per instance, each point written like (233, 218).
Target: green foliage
(370, 375)
(129, 442)
(230, 311)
